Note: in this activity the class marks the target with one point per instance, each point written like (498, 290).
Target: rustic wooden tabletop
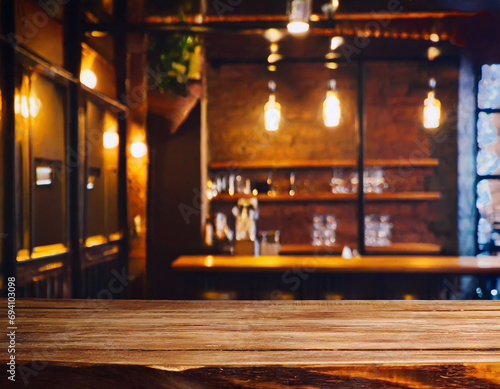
(256, 344)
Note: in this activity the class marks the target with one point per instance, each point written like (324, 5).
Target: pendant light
(331, 106)
(272, 109)
(299, 13)
(432, 107)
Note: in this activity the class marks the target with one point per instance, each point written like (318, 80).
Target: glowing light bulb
(297, 27)
(110, 139)
(299, 13)
(434, 37)
(88, 78)
(331, 106)
(272, 113)
(432, 111)
(21, 106)
(273, 35)
(35, 106)
(433, 53)
(138, 149)
(336, 42)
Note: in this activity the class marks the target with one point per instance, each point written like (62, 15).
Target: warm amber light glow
(138, 149)
(331, 109)
(336, 42)
(35, 106)
(110, 139)
(273, 35)
(331, 65)
(21, 106)
(434, 37)
(272, 113)
(88, 78)
(273, 58)
(27, 107)
(432, 111)
(433, 53)
(298, 27)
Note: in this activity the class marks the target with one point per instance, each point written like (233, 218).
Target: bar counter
(261, 344)
(332, 264)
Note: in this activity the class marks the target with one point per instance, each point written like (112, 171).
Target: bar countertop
(256, 344)
(331, 264)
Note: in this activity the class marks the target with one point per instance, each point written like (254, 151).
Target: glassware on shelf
(371, 230)
(239, 184)
(378, 230)
(324, 230)
(293, 186)
(354, 182)
(246, 214)
(248, 187)
(385, 231)
(373, 181)
(337, 183)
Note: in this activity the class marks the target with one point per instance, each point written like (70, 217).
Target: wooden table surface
(257, 344)
(367, 264)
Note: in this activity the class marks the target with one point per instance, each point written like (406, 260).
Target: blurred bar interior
(250, 149)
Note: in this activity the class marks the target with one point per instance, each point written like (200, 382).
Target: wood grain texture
(261, 344)
(367, 264)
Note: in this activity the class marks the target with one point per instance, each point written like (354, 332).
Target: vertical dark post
(120, 17)
(477, 77)
(73, 28)
(361, 151)
(9, 264)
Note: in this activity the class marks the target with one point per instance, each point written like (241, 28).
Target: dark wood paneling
(174, 218)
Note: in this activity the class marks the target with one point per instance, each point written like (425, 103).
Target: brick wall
(394, 99)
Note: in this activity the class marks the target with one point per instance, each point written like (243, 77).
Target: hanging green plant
(178, 56)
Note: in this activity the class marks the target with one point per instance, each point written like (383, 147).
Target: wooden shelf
(403, 248)
(287, 198)
(310, 249)
(406, 248)
(301, 197)
(415, 196)
(318, 163)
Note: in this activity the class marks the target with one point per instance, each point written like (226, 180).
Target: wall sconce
(272, 109)
(432, 107)
(27, 107)
(110, 139)
(299, 13)
(88, 78)
(331, 106)
(138, 149)
(44, 175)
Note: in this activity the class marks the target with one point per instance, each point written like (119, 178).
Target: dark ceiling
(234, 28)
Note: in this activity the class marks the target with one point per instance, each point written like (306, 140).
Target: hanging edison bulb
(331, 106)
(272, 109)
(299, 13)
(432, 107)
